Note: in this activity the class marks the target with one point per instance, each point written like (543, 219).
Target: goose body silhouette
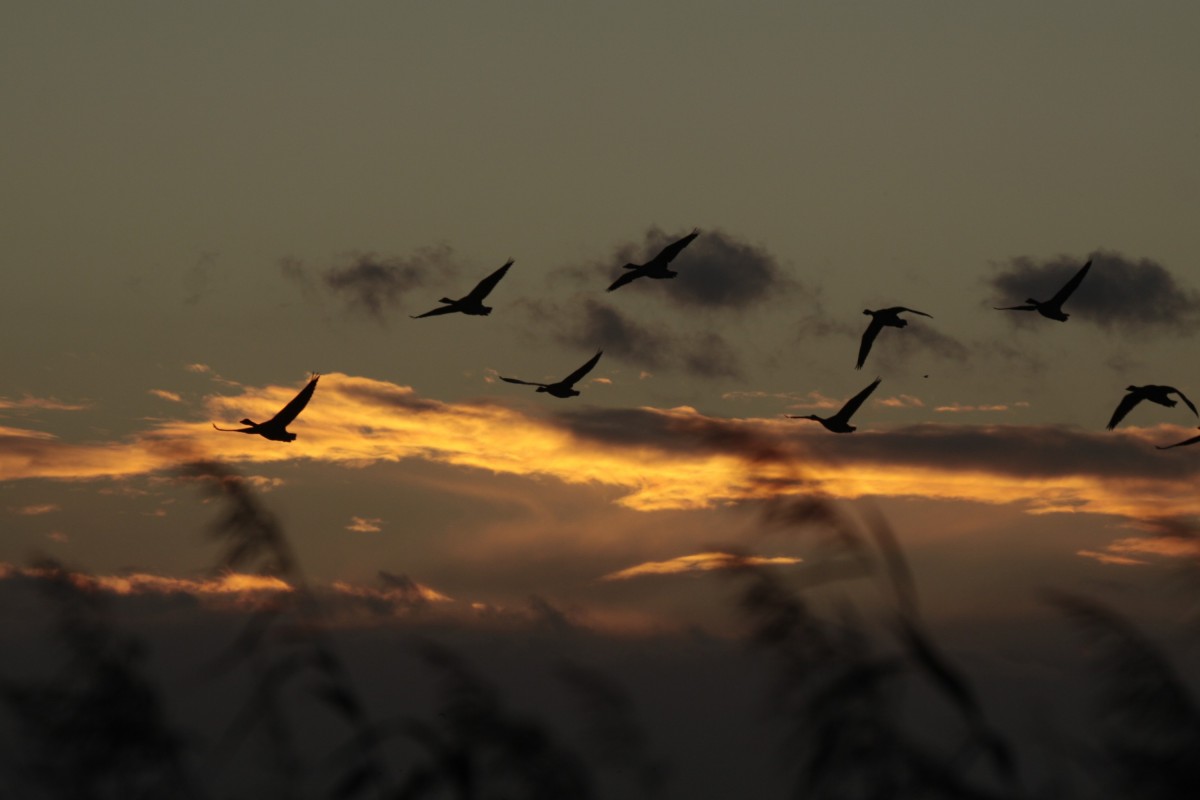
(564, 388)
(657, 266)
(884, 317)
(1052, 308)
(840, 422)
(275, 428)
(1155, 394)
(471, 303)
(1184, 443)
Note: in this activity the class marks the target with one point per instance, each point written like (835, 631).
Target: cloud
(198, 277)
(373, 283)
(959, 408)
(603, 326)
(1108, 558)
(37, 510)
(1118, 294)
(40, 404)
(398, 594)
(165, 395)
(364, 525)
(696, 563)
(656, 459)
(901, 401)
(198, 368)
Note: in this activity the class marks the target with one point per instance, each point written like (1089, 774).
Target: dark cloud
(603, 326)
(198, 277)
(373, 283)
(717, 270)
(1118, 294)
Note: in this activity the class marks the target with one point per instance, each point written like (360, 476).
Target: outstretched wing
(1126, 405)
(447, 309)
(523, 383)
(297, 404)
(1015, 308)
(233, 430)
(868, 338)
(625, 278)
(1184, 443)
(668, 253)
(1071, 285)
(854, 402)
(485, 286)
(1183, 397)
(584, 370)
(898, 309)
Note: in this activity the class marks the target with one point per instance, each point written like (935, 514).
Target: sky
(206, 205)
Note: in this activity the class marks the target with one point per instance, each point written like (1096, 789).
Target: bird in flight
(889, 317)
(1184, 443)
(1155, 394)
(1052, 308)
(472, 303)
(657, 266)
(565, 387)
(275, 428)
(840, 422)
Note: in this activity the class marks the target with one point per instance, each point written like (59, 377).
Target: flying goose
(840, 422)
(1052, 308)
(472, 303)
(1155, 394)
(275, 428)
(884, 316)
(657, 266)
(566, 387)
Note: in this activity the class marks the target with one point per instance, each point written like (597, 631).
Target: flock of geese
(275, 428)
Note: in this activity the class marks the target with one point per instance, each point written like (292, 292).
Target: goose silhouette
(1184, 443)
(657, 266)
(275, 428)
(472, 303)
(1052, 308)
(889, 317)
(1155, 394)
(564, 388)
(840, 422)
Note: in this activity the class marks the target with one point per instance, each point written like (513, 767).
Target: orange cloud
(659, 459)
(165, 395)
(901, 401)
(40, 403)
(956, 408)
(37, 510)
(1108, 558)
(364, 525)
(697, 562)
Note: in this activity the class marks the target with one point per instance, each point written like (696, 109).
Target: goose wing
(627, 277)
(1184, 398)
(584, 370)
(898, 309)
(1071, 285)
(518, 380)
(1124, 407)
(295, 406)
(854, 402)
(449, 308)
(668, 253)
(1184, 443)
(1015, 308)
(868, 338)
(485, 286)
(233, 430)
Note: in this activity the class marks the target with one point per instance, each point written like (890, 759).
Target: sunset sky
(204, 205)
